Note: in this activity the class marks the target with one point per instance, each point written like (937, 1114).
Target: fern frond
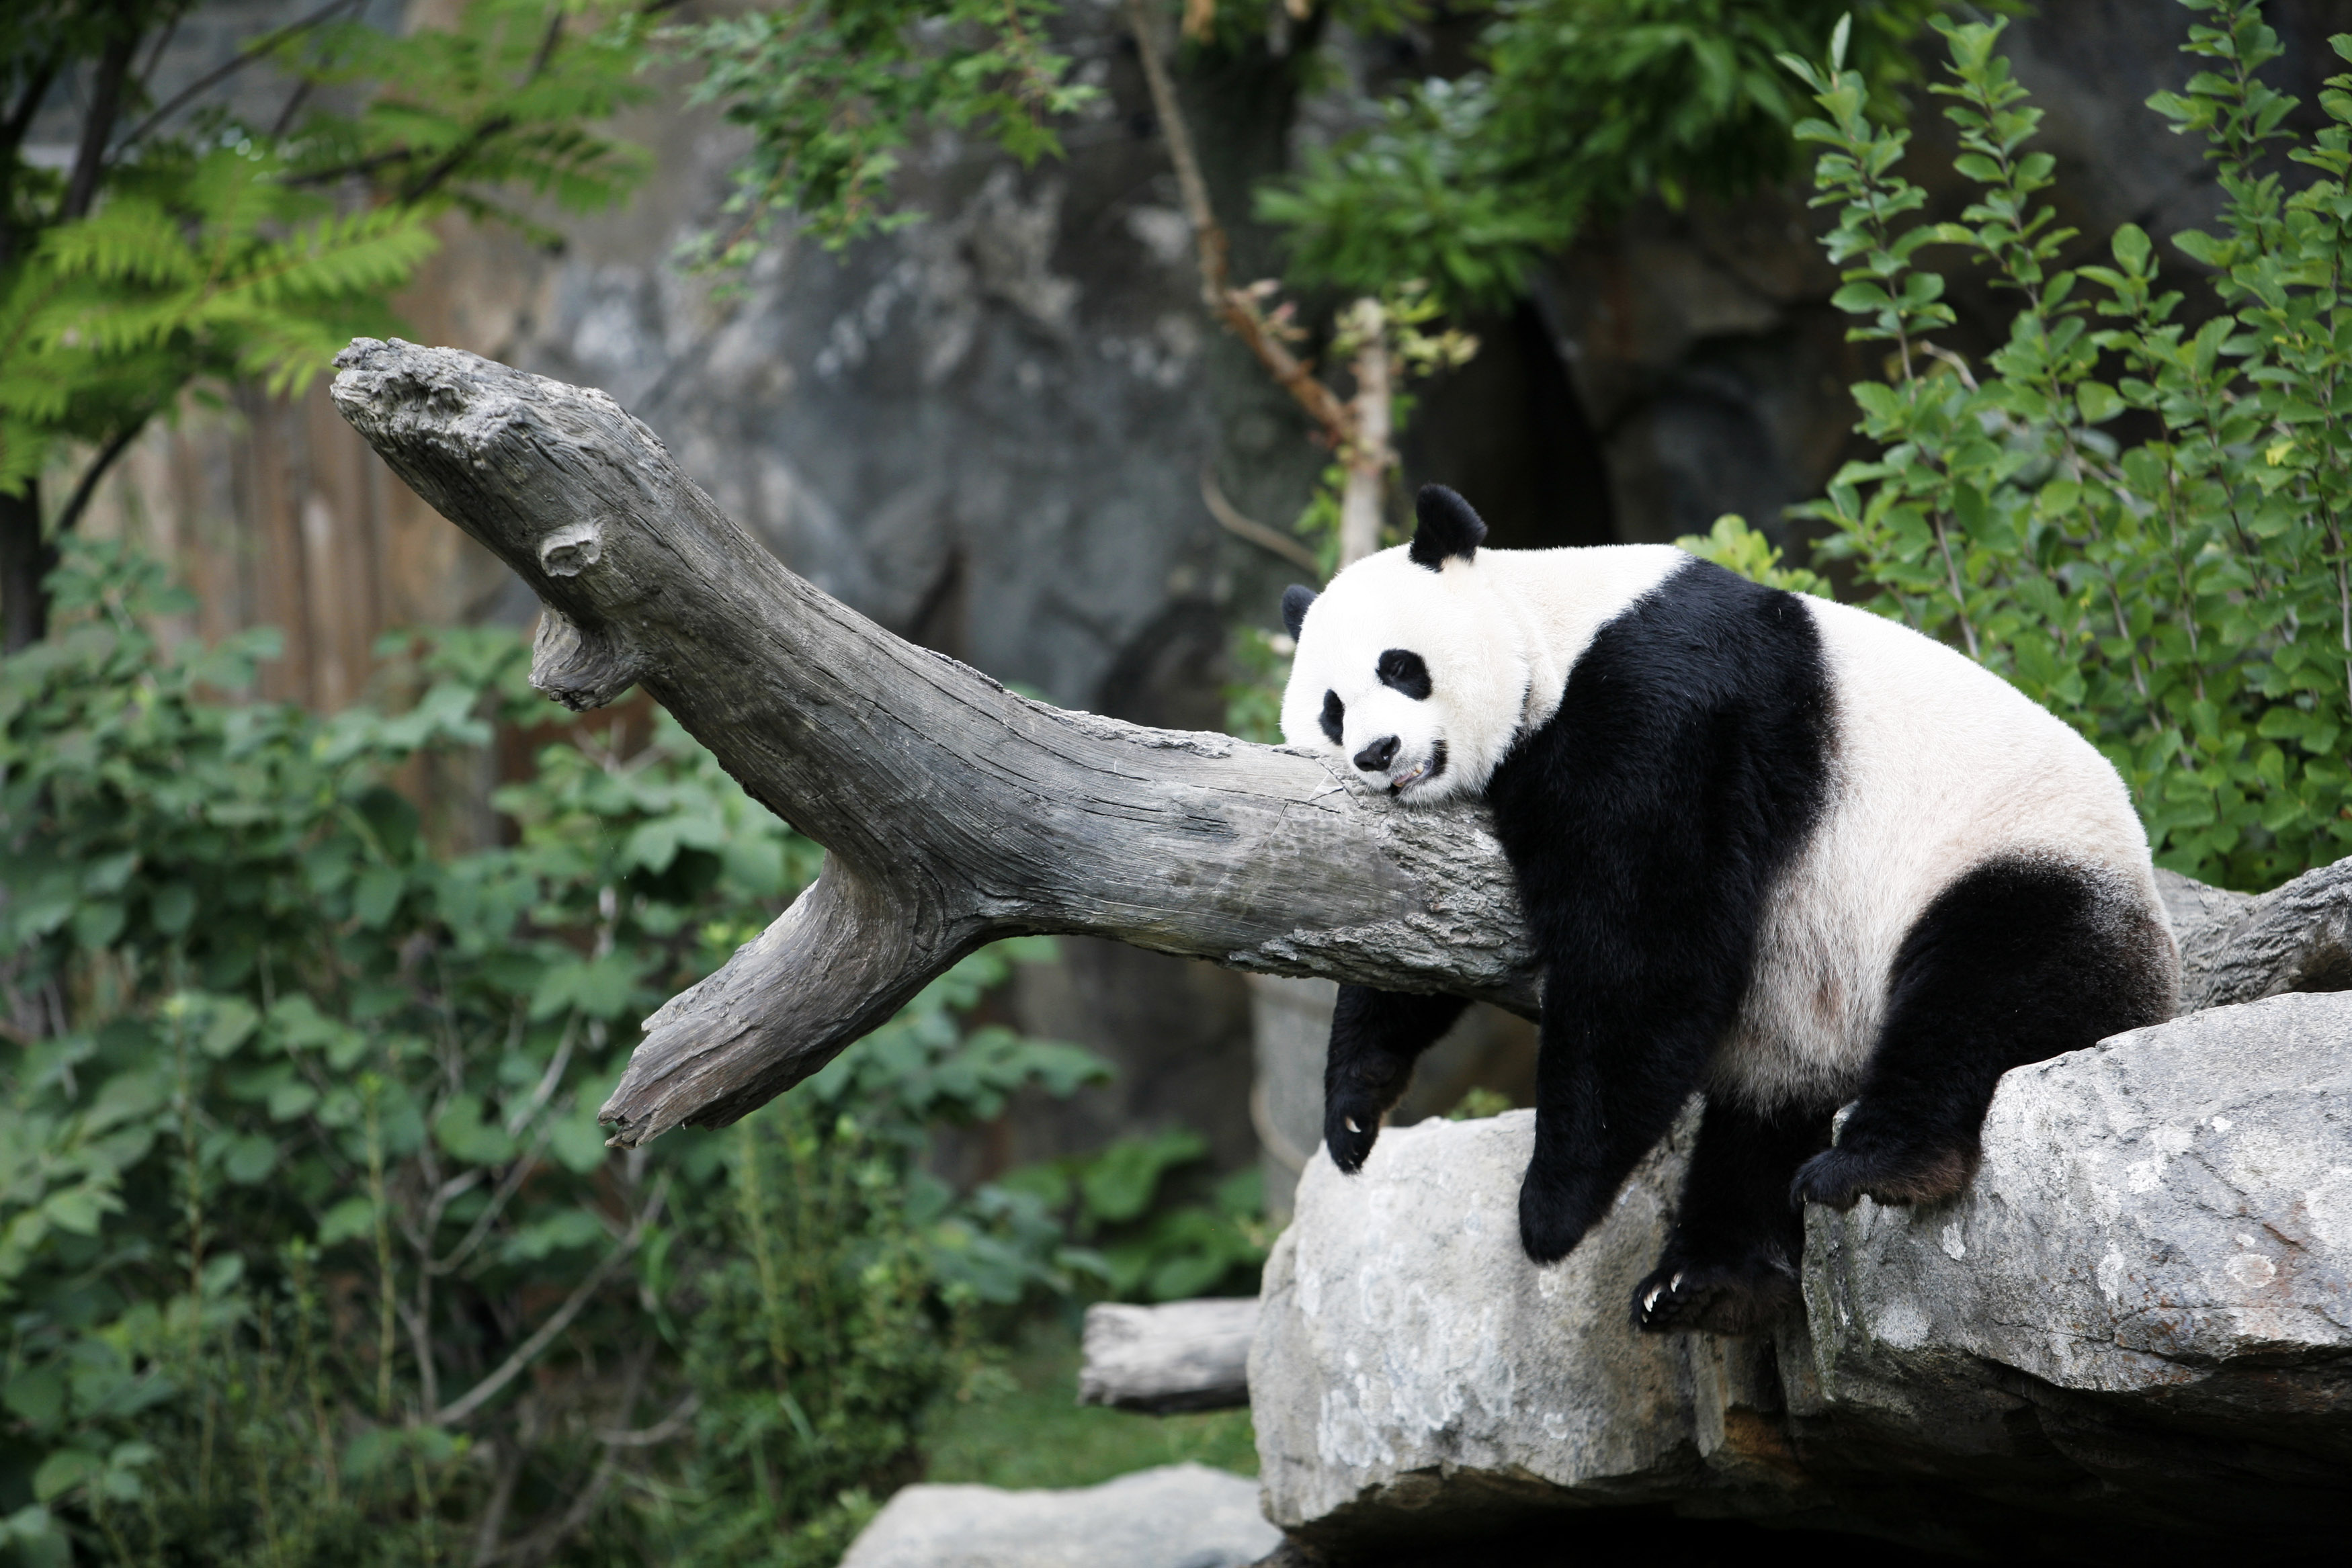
(130, 239)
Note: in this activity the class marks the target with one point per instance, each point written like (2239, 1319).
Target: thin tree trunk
(1368, 456)
(24, 562)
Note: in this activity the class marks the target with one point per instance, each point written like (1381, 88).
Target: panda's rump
(1940, 768)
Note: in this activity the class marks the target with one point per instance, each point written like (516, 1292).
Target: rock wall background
(988, 431)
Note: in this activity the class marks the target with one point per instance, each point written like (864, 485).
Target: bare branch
(1231, 519)
(474, 1398)
(1237, 308)
(105, 104)
(954, 812)
(212, 78)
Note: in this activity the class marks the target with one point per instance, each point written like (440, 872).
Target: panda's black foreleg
(2019, 961)
(1376, 1037)
(1609, 1080)
(1730, 1264)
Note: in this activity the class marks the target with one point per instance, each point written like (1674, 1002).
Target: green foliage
(210, 248)
(1732, 543)
(310, 1249)
(1580, 108)
(2183, 600)
(1021, 1428)
(1160, 1237)
(832, 92)
(1261, 664)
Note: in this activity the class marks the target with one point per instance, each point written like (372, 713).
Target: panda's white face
(1414, 676)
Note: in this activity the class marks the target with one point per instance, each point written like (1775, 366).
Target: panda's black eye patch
(1402, 670)
(1335, 715)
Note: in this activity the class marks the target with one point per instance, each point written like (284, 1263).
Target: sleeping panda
(1770, 847)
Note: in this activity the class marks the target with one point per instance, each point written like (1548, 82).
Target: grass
(1027, 1429)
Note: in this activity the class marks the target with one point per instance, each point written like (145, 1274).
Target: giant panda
(1770, 847)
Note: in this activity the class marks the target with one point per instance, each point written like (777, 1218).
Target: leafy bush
(309, 1245)
(2181, 593)
(1160, 1233)
(206, 246)
(1576, 109)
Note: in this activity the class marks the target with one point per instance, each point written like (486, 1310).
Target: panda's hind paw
(1712, 1299)
(1842, 1177)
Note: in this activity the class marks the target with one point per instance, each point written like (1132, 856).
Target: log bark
(1178, 1357)
(2295, 937)
(953, 811)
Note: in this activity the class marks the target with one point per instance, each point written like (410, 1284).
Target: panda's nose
(1375, 757)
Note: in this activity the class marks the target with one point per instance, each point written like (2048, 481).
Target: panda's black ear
(1448, 528)
(1294, 600)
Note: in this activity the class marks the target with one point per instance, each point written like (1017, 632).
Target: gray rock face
(2136, 1321)
(1412, 1368)
(1178, 1516)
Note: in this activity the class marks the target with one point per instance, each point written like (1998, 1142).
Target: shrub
(310, 1246)
(2136, 517)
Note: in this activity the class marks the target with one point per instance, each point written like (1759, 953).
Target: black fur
(1294, 600)
(1335, 716)
(1376, 1037)
(1402, 670)
(1730, 1264)
(1687, 763)
(1448, 527)
(2018, 961)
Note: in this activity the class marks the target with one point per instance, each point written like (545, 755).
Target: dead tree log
(1164, 1360)
(951, 810)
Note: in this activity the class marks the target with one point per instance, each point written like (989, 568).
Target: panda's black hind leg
(1730, 1264)
(2019, 960)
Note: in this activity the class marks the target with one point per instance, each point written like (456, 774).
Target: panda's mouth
(1420, 773)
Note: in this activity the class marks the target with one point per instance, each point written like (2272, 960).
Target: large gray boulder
(2136, 1321)
(1178, 1516)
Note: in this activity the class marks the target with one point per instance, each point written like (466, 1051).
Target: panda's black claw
(1719, 1298)
(1349, 1132)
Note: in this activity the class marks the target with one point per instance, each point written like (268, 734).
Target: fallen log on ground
(1178, 1357)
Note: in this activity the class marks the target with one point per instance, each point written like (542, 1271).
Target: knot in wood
(571, 549)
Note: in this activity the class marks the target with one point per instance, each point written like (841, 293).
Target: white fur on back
(1940, 766)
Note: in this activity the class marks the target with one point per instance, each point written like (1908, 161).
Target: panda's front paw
(1712, 1299)
(1350, 1128)
(1554, 1214)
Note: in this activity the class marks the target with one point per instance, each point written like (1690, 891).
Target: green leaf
(170, 907)
(96, 924)
(2099, 402)
(64, 1470)
(36, 1395)
(600, 988)
(352, 1217)
(377, 894)
(251, 1158)
(460, 1129)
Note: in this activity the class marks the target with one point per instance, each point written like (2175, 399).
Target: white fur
(1498, 632)
(1940, 765)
